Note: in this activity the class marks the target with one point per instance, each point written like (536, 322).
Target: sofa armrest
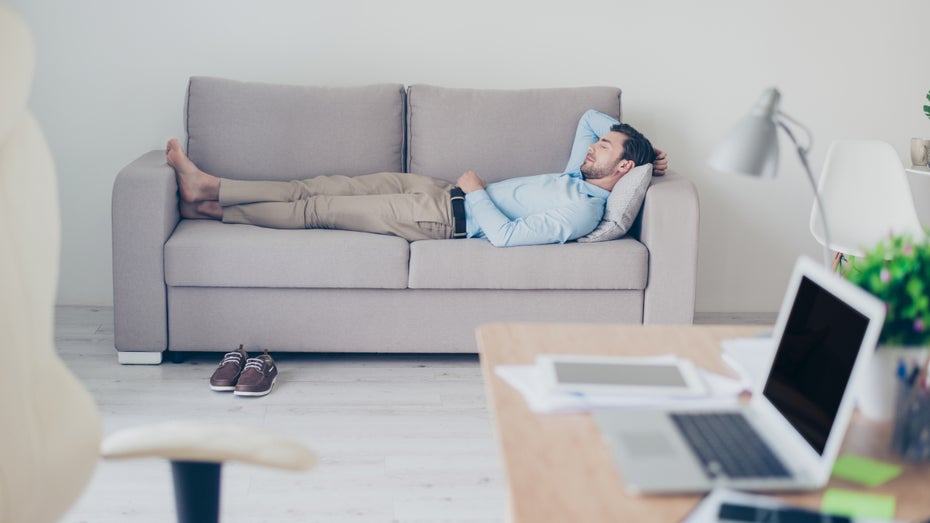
(144, 214)
(669, 229)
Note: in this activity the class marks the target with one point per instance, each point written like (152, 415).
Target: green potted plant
(927, 107)
(897, 271)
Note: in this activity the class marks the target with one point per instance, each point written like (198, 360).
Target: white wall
(111, 78)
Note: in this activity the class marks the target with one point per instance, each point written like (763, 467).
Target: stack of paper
(749, 358)
(541, 398)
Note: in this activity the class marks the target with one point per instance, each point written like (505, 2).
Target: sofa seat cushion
(476, 264)
(203, 253)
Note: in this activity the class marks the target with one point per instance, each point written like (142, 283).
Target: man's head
(615, 153)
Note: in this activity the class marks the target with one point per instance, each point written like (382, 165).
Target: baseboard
(735, 318)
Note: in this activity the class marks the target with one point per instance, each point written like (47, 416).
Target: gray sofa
(194, 285)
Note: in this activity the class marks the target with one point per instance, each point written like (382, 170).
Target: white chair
(864, 190)
(50, 424)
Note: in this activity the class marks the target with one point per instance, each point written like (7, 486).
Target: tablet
(621, 375)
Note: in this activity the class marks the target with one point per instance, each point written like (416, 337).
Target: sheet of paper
(865, 471)
(858, 504)
(750, 358)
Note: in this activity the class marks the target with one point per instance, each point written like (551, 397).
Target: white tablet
(627, 376)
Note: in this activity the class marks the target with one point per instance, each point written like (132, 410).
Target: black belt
(458, 212)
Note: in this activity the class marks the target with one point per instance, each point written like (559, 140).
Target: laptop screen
(814, 361)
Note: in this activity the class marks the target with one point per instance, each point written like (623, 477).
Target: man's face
(604, 156)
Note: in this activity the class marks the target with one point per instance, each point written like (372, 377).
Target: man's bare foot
(210, 209)
(206, 210)
(189, 211)
(194, 185)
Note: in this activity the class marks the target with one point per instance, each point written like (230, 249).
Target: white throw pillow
(623, 205)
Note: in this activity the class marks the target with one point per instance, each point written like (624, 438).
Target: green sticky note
(865, 471)
(857, 504)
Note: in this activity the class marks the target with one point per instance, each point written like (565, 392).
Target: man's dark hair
(637, 147)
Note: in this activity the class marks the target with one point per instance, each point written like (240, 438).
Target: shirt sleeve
(592, 125)
(557, 225)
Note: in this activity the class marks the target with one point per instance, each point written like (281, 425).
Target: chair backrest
(864, 190)
(51, 428)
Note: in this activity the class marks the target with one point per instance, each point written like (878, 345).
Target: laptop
(788, 435)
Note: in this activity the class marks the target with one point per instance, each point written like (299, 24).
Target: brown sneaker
(225, 376)
(258, 377)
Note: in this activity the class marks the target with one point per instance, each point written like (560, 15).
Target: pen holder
(911, 435)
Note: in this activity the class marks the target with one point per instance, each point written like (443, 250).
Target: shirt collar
(591, 189)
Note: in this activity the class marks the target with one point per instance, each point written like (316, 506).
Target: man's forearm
(592, 125)
(553, 226)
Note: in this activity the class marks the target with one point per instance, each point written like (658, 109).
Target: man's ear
(624, 166)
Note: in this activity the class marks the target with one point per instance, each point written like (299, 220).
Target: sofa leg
(139, 358)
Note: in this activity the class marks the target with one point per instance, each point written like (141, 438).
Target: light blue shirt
(546, 208)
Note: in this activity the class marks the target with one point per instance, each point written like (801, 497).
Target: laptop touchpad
(647, 443)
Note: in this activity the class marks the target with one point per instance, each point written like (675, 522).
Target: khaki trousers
(411, 206)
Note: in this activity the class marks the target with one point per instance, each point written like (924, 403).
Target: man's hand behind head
(470, 182)
(660, 164)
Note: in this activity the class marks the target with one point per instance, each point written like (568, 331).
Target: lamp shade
(751, 146)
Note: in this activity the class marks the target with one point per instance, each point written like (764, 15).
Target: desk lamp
(751, 148)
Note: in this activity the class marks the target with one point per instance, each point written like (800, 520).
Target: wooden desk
(559, 469)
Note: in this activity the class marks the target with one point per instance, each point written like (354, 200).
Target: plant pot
(877, 389)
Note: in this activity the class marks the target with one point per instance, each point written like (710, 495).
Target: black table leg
(197, 491)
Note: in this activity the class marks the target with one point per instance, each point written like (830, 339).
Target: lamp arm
(802, 154)
(810, 137)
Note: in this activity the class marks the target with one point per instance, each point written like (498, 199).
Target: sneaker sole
(256, 393)
(222, 388)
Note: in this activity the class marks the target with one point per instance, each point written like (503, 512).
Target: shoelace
(254, 363)
(232, 357)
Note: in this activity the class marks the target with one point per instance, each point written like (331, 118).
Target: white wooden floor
(400, 437)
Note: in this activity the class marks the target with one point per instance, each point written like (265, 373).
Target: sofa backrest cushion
(498, 134)
(258, 131)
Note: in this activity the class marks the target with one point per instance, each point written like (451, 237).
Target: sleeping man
(528, 210)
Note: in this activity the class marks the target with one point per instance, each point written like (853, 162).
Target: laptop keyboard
(727, 445)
